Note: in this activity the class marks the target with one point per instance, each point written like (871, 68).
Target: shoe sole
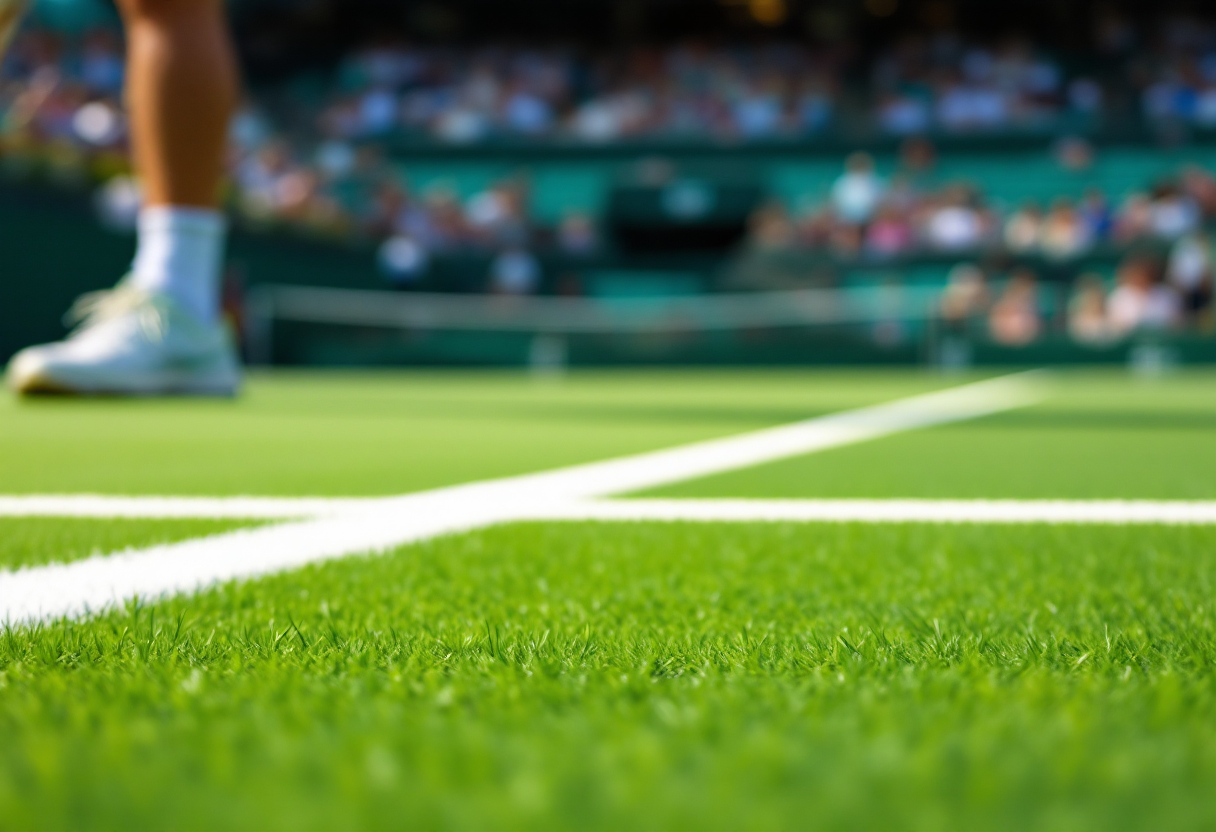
(38, 385)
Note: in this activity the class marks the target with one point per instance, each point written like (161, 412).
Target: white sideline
(94, 584)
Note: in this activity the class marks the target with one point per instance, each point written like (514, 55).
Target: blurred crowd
(943, 83)
(61, 110)
(940, 83)
(305, 151)
(306, 155)
(870, 217)
(63, 97)
(1148, 294)
(1164, 75)
(1173, 73)
(688, 91)
(917, 84)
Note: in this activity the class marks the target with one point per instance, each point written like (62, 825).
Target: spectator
(440, 225)
(577, 234)
(969, 106)
(858, 191)
(515, 271)
(462, 123)
(1064, 234)
(956, 222)
(527, 113)
(1086, 98)
(403, 261)
(1172, 213)
(249, 129)
(1014, 320)
(1134, 219)
(815, 108)
(890, 234)
(102, 68)
(376, 113)
(497, 215)
(904, 115)
(1087, 322)
(99, 123)
(965, 298)
(390, 204)
(1095, 213)
(1189, 272)
(260, 177)
(759, 111)
(1023, 229)
(1141, 301)
(1200, 186)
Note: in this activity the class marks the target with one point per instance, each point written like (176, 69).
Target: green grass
(342, 434)
(644, 677)
(627, 676)
(1099, 435)
(31, 541)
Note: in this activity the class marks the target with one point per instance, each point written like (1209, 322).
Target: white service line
(1108, 512)
(634, 473)
(91, 585)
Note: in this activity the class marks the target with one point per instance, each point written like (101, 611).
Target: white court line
(78, 588)
(148, 508)
(1107, 512)
(616, 476)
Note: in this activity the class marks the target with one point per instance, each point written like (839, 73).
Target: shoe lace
(93, 308)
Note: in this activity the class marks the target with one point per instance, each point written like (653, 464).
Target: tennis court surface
(647, 600)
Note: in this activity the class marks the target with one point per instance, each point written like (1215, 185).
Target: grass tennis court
(627, 675)
(355, 434)
(34, 541)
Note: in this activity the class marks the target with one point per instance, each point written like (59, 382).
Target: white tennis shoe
(131, 343)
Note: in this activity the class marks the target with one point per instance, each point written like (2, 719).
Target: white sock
(181, 254)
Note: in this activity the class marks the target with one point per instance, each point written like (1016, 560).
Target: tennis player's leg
(159, 331)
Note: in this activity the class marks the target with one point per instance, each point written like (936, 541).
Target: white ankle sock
(181, 254)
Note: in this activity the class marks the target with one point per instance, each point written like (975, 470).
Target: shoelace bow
(93, 308)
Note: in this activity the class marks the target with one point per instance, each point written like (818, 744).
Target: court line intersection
(320, 529)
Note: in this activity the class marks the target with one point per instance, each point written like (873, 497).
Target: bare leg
(181, 89)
